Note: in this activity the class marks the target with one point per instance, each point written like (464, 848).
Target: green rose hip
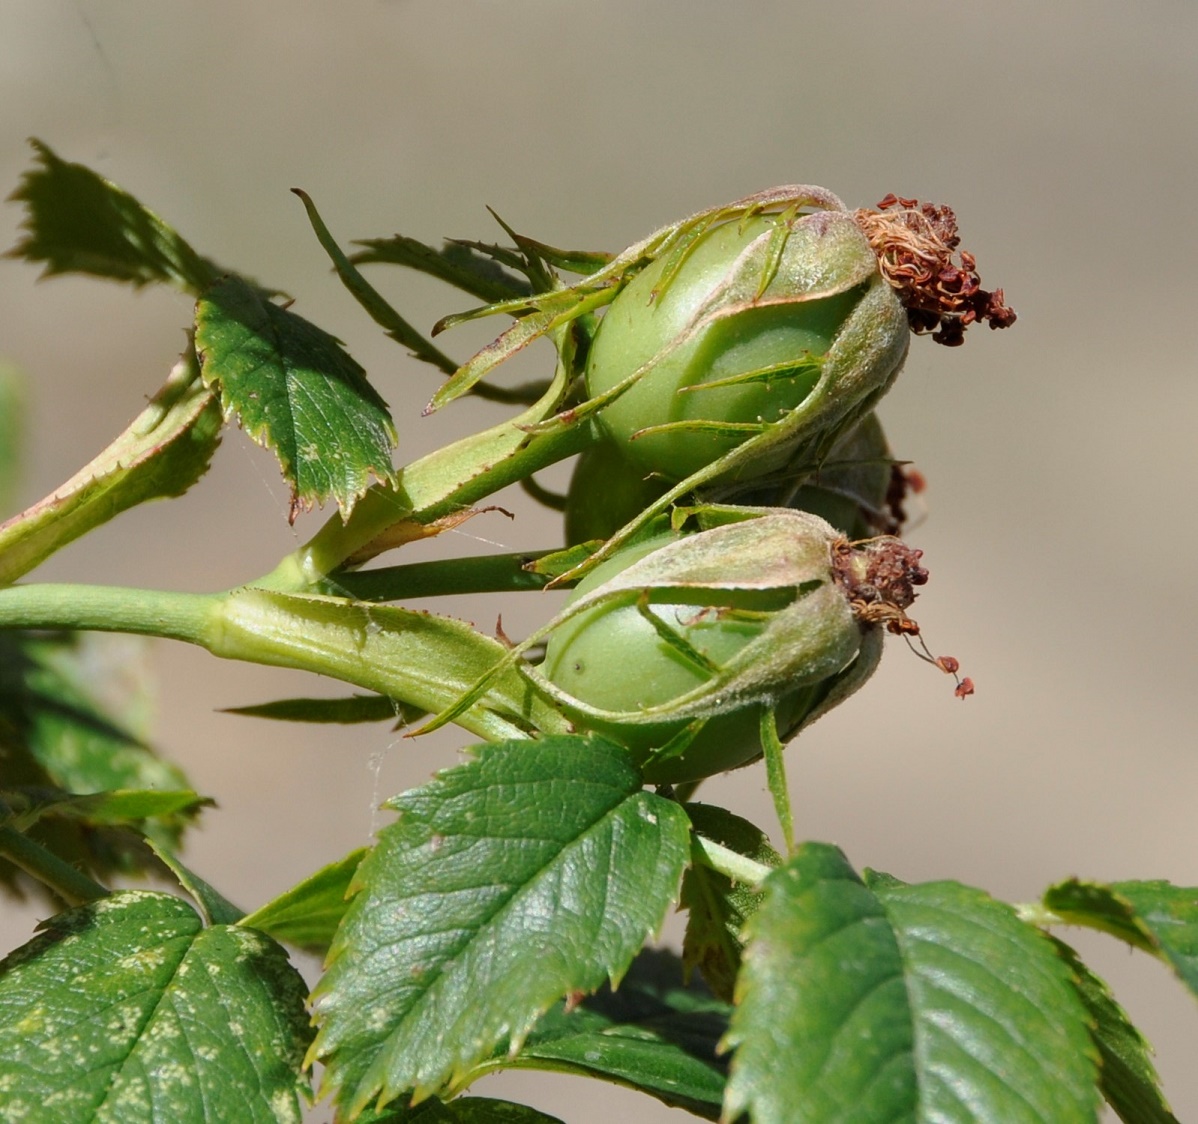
(775, 611)
(759, 317)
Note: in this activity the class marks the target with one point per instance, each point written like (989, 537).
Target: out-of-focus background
(1060, 455)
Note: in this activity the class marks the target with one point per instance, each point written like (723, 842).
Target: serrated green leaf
(886, 1002)
(130, 1010)
(1127, 1077)
(464, 1110)
(1156, 916)
(717, 908)
(455, 263)
(308, 914)
(78, 222)
(162, 453)
(535, 871)
(297, 391)
(997, 1020)
(356, 708)
(57, 698)
(653, 1033)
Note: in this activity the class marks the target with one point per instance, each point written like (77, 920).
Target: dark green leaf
(308, 914)
(464, 1110)
(1127, 1077)
(455, 263)
(533, 872)
(129, 1009)
(77, 222)
(1157, 917)
(165, 450)
(823, 1029)
(356, 708)
(295, 390)
(889, 1002)
(57, 696)
(653, 1033)
(717, 907)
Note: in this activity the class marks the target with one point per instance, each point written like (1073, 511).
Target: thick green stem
(423, 496)
(102, 608)
(422, 660)
(74, 887)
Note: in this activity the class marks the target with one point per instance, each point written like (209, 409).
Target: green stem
(101, 608)
(730, 863)
(420, 660)
(492, 573)
(422, 496)
(74, 887)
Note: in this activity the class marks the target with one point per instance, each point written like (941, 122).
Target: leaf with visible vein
(1127, 1077)
(129, 1009)
(1155, 916)
(296, 391)
(78, 222)
(533, 872)
(888, 1002)
(653, 1033)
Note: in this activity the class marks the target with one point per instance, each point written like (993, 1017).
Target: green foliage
(296, 391)
(77, 222)
(130, 1009)
(491, 898)
(501, 920)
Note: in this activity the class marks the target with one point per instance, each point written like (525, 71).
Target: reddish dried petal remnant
(879, 577)
(916, 243)
(964, 688)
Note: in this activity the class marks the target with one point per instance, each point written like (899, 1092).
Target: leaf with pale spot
(296, 391)
(130, 1010)
(533, 872)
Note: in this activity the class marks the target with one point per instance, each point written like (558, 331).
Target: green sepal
(355, 709)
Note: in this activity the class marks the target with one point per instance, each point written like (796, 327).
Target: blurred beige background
(1060, 455)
